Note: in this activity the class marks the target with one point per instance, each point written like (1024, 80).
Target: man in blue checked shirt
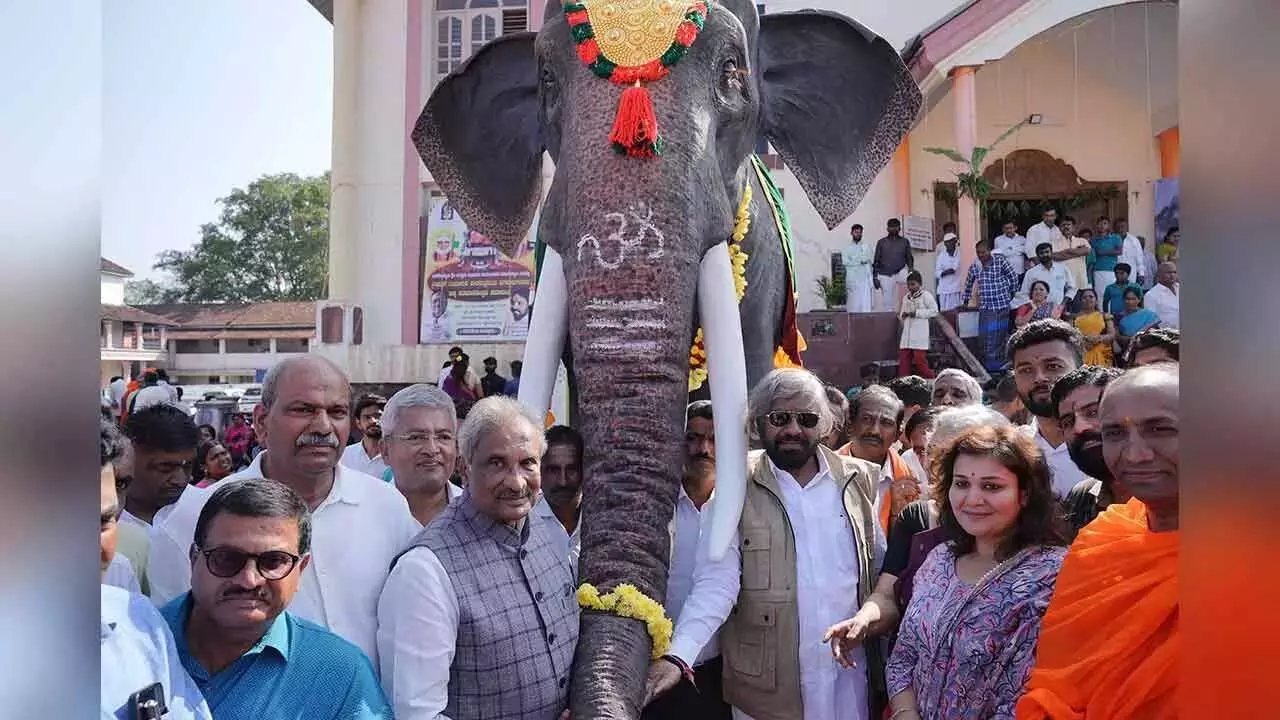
(997, 282)
(137, 650)
(250, 658)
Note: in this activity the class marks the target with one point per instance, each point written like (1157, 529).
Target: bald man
(302, 423)
(1162, 298)
(1109, 641)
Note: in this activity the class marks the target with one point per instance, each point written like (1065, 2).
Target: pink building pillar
(964, 95)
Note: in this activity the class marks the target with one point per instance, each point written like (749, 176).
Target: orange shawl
(898, 469)
(1109, 640)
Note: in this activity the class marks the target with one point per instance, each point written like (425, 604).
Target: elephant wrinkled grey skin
(631, 235)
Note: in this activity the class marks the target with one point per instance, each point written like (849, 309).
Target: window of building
(292, 345)
(463, 26)
(187, 347)
(251, 345)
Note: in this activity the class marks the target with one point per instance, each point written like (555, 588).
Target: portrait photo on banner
(471, 291)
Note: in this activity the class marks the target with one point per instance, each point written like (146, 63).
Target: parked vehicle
(251, 397)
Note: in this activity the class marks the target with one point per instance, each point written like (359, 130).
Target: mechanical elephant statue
(639, 241)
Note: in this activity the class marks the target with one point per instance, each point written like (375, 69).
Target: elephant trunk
(631, 287)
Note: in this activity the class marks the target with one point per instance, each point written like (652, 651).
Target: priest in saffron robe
(1109, 640)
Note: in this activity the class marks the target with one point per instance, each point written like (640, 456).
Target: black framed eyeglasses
(782, 418)
(226, 562)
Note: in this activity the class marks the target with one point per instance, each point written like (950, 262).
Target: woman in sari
(968, 639)
(1098, 330)
(1135, 318)
(1040, 307)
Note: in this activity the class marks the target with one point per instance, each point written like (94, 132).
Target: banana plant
(970, 181)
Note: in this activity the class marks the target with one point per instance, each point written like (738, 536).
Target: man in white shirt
(366, 455)
(420, 443)
(164, 441)
(1012, 246)
(703, 698)
(1162, 298)
(856, 258)
(115, 392)
(947, 271)
(1072, 251)
(1042, 352)
(151, 393)
(1132, 253)
(806, 556)
(478, 618)
(1046, 231)
(359, 525)
(1062, 285)
(561, 503)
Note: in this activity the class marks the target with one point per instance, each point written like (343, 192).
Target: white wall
(112, 290)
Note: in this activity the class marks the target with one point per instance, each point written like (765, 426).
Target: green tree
(271, 242)
(147, 292)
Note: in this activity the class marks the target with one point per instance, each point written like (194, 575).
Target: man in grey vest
(808, 549)
(478, 618)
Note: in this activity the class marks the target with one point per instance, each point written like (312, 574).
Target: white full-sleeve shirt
(417, 633)
(356, 532)
(1131, 252)
(687, 527)
(1163, 302)
(827, 574)
(570, 544)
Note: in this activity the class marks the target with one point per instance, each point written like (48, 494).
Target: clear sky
(199, 97)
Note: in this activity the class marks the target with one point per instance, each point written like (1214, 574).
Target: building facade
(1097, 76)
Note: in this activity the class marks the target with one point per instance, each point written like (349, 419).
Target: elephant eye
(548, 78)
(730, 73)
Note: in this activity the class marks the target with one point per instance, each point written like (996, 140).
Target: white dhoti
(1101, 280)
(857, 295)
(889, 286)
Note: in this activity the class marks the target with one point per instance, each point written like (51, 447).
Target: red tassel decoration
(635, 129)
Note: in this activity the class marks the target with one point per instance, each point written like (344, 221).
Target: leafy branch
(969, 182)
(832, 292)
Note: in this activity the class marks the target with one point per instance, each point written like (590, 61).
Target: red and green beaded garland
(635, 131)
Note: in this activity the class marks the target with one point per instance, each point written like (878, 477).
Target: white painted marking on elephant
(611, 305)
(632, 227)
(629, 349)
(606, 325)
(600, 324)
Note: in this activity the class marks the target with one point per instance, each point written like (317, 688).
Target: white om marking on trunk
(632, 227)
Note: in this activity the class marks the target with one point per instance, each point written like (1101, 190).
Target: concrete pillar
(367, 226)
(1170, 142)
(964, 93)
(902, 178)
(137, 332)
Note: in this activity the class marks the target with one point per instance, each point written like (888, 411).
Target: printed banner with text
(471, 291)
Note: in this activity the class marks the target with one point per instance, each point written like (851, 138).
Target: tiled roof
(125, 313)
(196, 316)
(111, 268)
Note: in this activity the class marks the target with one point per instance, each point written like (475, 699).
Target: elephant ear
(480, 137)
(836, 100)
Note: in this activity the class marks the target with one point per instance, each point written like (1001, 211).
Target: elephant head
(634, 242)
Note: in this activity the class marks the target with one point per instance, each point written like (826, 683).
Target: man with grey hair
(420, 444)
(806, 556)
(478, 618)
(909, 543)
(360, 523)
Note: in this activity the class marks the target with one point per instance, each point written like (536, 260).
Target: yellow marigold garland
(626, 601)
(738, 257)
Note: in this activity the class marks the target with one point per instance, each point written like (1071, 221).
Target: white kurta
(856, 258)
(1132, 254)
(949, 287)
(1163, 302)
(1014, 249)
(826, 592)
(915, 329)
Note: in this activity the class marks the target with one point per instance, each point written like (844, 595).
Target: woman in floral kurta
(965, 648)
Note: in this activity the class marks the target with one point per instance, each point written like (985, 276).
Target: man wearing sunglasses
(361, 523)
(249, 657)
(808, 550)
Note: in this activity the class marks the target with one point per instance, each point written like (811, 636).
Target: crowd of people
(907, 550)
(1106, 281)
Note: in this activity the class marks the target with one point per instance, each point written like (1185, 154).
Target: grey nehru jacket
(517, 615)
(892, 254)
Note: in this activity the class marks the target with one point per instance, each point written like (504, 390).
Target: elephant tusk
(547, 329)
(727, 372)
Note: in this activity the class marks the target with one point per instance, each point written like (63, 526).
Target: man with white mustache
(360, 523)
(1077, 399)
